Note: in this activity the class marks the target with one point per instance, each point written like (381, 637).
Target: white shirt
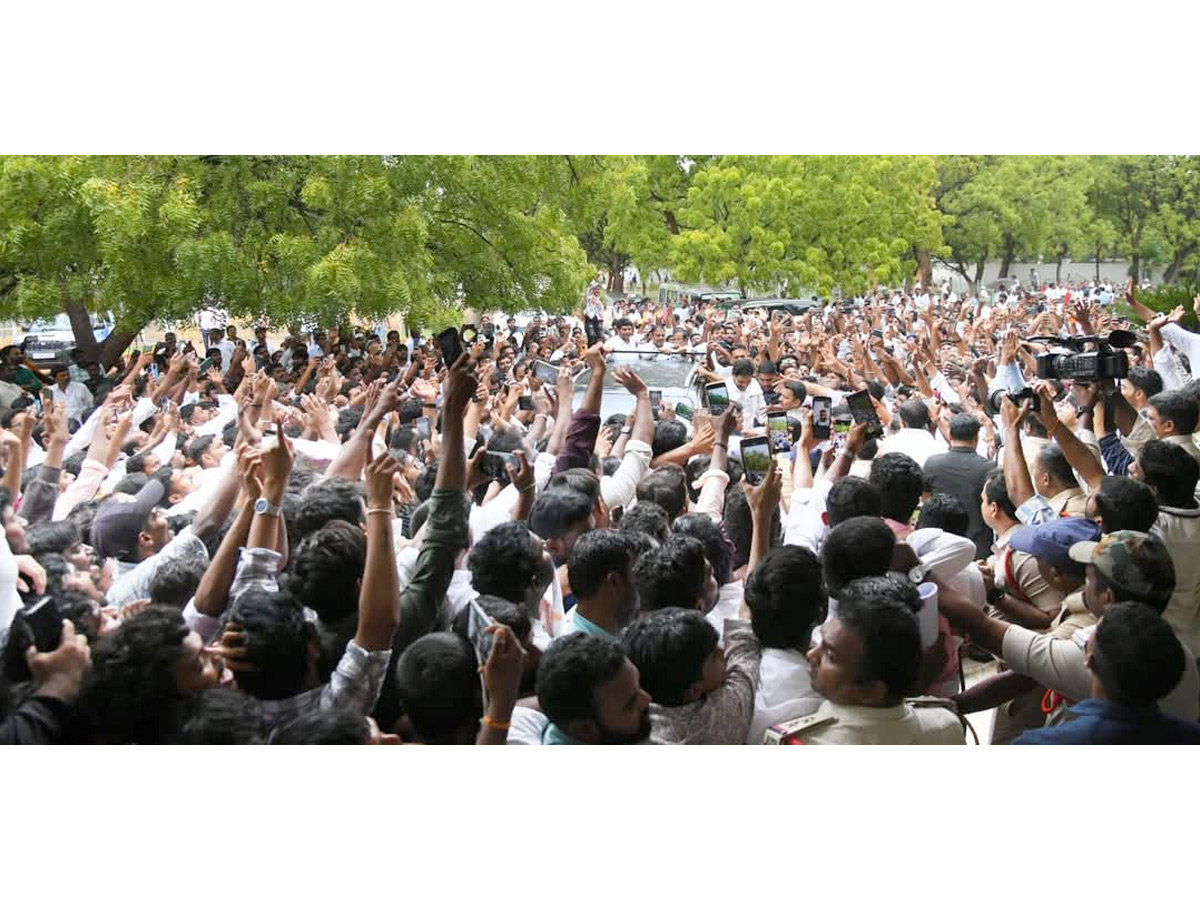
(77, 398)
(226, 347)
(916, 443)
(754, 405)
(783, 692)
(10, 600)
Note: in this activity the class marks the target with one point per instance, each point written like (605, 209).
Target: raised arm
(212, 594)
(1077, 454)
(1016, 470)
(763, 500)
(379, 597)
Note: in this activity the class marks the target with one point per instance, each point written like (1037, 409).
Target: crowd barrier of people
(356, 538)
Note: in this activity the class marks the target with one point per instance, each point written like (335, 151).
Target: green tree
(289, 239)
(812, 221)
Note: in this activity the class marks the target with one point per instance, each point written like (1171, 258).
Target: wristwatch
(917, 573)
(263, 508)
(628, 429)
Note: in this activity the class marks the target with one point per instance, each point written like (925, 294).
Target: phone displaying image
(478, 622)
(756, 456)
(424, 428)
(684, 411)
(45, 622)
(821, 407)
(863, 410)
(780, 432)
(718, 398)
(469, 334)
(842, 426)
(525, 403)
(493, 465)
(656, 400)
(544, 372)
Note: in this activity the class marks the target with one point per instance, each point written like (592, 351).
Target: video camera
(996, 398)
(1091, 357)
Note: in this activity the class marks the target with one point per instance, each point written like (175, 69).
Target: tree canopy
(300, 239)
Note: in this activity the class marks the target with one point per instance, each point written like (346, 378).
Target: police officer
(868, 658)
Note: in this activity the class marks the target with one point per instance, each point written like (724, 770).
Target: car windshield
(661, 373)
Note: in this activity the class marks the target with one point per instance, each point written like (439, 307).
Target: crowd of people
(354, 537)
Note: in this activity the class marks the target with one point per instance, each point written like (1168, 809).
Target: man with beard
(589, 692)
(600, 568)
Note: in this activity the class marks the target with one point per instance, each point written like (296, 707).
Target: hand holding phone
(821, 422)
(863, 410)
(756, 458)
(45, 621)
(717, 396)
(780, 432)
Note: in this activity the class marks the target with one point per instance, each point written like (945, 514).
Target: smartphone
(718, 398)
(478, 622)
(821, 407)
(493, 464)
(780, 432)
(863, 410)
(656, 400)
(842, 426)
(45, 622)
(469, 334)
(684, 411)
(525, 403)
(756, 456)
(452, 346)
(544, 372)
(424, 429)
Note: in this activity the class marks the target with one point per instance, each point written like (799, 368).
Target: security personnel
(868, 658)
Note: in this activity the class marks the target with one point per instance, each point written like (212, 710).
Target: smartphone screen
(821, 414)
(45, 622)
(656, 399)
(756, 456)
(544, 372)
(451, 344)
(718, 398)
(863, 410)
(493, 465)
(780, 432)
(525, 403)
(684, 411)
(424, 430)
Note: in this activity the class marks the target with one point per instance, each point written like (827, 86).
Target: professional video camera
(1090, 357)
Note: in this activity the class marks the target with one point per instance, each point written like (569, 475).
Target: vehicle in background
(681, 294)
(49, 342)
(671, 375)
(794, 306)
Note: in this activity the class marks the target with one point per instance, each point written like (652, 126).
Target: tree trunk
(105, 352)
(1135, 267)
(1173, 271)
(978, 274)
(1058, 270)
(1010, 252)
(1097, 263)
(924, 267)
(616, 273)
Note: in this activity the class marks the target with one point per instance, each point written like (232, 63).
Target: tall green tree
(288, 239)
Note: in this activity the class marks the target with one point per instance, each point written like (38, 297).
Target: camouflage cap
(1134, 561)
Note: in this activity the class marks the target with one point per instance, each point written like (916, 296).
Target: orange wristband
(499, 726)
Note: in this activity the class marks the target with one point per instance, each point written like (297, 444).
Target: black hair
(326, 568)
(666, 486)
(671, 575)
(1171, 472)
(596, 555)
(276, 644)
(797, 388)
(437, 683)
(1125, 504)
(331, 498)
(964, 427)
(669, 648)
(647, 518)
(1136, 655)
(1178, 407)
(1054, 464)
(557, 511)
(403, 438)
(786, 596)
(610, 465)
(856, 548)
(901, 483)
(337, 725)
(221, 715)
(716, 547)
(197, 447)
(503, 562)
(890, 635)
(946, 512)
(425, 481)
(852, 496)
(669, 434)
(174, 582)
(410, 410)
(1146, 380)
(583, 481)
(996, 492)
(503, 611)
(571, 670)
(130, 693)
(130, 484)
(742, 367)
(51, 537)
(914, 414)
(622, 323)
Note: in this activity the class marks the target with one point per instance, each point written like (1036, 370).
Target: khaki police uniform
(918, 720)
